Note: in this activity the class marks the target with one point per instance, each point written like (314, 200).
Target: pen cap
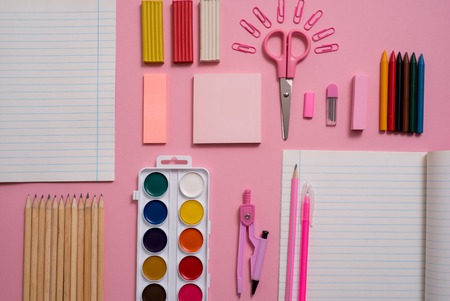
(307, 190)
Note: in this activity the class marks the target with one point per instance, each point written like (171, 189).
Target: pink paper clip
(250, 28)
(280, 11)
(313, 20)
(243, 48)
(262, 17)
(323, 34)
(298, 11)
(326, 48)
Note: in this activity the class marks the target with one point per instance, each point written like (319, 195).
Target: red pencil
(391, 93)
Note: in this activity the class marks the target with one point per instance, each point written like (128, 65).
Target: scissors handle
(287, 61)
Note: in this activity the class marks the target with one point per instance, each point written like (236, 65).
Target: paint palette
(173, 231)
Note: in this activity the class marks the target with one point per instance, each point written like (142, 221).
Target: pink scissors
(286, 64)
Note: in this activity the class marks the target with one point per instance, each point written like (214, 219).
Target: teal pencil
(420, 93)
(413, 94)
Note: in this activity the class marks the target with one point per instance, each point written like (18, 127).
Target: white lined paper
(368, 238)
(437, 279)
(57, 88)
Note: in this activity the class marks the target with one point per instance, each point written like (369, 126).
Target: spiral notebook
(57, 88)
(381, 225)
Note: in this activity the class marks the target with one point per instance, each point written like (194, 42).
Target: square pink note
(227, 108)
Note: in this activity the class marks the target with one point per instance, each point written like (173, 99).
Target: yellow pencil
(101, 247)
(67, 248)
(87, 248)
(34, 249)
(80, 252)
(27, 251)
(53, 248)
(384, 72)
(73, 250)
(41, 251)
(47, 240)
(94, 253)
(60, 256)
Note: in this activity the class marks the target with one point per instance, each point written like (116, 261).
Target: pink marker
(306, 214)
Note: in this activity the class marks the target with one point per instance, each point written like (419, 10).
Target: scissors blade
(285, 97)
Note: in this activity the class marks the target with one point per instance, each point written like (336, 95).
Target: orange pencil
(384, 82)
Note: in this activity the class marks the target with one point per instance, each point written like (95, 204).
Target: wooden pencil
(53, 248)
(73, 251)
(41, 251)
(101, 248)
(94, 251)
(27, 251)
(60, 256)
(47, 240)
(67, 248)
(34, 249)
(87, 248)
(80, 251)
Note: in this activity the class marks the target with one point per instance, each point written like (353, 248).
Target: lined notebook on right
(381, 225)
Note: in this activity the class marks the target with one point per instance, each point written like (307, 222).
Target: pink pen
(306, 212)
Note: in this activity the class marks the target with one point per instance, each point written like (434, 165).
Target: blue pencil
(420, 93)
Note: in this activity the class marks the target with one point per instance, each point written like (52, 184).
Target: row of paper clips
(315, 17)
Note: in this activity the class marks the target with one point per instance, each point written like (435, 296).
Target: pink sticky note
(155, 100)
(227, 108)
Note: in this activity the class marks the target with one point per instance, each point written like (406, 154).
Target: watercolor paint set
(173, 231)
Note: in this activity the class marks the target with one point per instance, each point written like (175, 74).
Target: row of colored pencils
(63, 249)
(402, 82)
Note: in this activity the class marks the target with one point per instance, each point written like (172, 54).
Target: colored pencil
(73, 250)
(63, 249)
(101, 248)
(292, 235)
(391, 93)
(53, 248)
(399, 93)
(405, 121)
(413, 94)
(60, 256)
(80, 251)
(47, 240)
(34, 249)
(94, 249)
(41, 251)
(67, 248)
(87, 247)
(384, 82)
(420, 93)
(27, 251)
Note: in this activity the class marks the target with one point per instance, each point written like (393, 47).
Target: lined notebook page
(438, 227)
(57, 81)
(368, 238)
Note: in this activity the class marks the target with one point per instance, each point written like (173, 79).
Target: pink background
(363, 30)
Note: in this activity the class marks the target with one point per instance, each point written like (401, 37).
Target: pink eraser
(308, 105)
(332, 91)
(359, 103)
